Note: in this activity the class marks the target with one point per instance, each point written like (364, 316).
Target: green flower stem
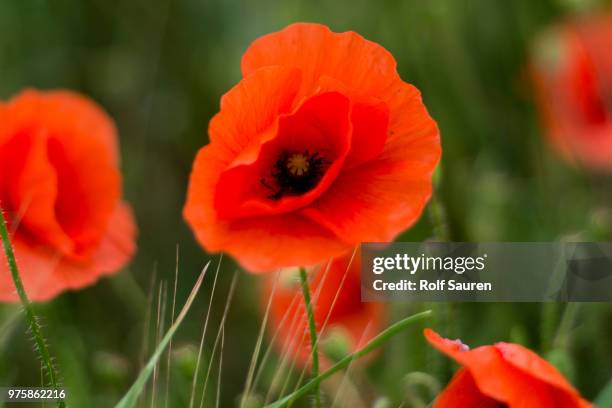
(443, 311)
(564, 332)
(437, 213)
(39, 340)
(548, 323)
(312, 325)
(375, 343)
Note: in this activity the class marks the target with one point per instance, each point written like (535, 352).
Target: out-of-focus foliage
(159, 68)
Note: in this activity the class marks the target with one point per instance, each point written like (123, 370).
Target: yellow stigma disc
(298, 164)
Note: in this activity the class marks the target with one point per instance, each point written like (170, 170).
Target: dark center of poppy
(295, 173)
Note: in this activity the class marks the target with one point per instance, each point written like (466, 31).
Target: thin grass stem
(228, 302)
(39, 340)
(147, 329)
(220, 367)
(312, 326)
(258, 344)
(194, 383)
(168, 361)
(161, 316)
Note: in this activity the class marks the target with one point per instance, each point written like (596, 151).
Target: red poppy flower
(60, 188)
(504, 374)
(572, 71)
(319, 147)
(336, 298)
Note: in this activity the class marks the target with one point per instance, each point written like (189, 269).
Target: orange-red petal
(88, 189)
(251, 108)
(29, 184)
(370, 120)
(508, 374)
(533, 365)
(64, 113)
(45, 273)
(359, 64)
(462, 392)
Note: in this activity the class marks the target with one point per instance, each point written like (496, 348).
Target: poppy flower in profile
(319, 147)
(60, 189)
(340, 315)
(572, 71)
(502, 375)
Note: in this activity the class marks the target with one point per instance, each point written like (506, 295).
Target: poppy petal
(45, 273)
(370, 120)
(37, 271)
(305, 243)
(62, 113)
(361, 65)
(89, 187)
(533, 365)
(463, 392)
(31, 189)
(116, 248)
(251, 108)
(495, 377)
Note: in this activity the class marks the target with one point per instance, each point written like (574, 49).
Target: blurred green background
(159, 69)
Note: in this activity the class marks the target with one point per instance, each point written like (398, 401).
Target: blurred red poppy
(504, 374)
(572, 71)
(319, 147)
(60, 189)
(336, 297)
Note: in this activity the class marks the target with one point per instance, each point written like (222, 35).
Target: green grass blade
(39, 340)
(375, 343)
(131, 397)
